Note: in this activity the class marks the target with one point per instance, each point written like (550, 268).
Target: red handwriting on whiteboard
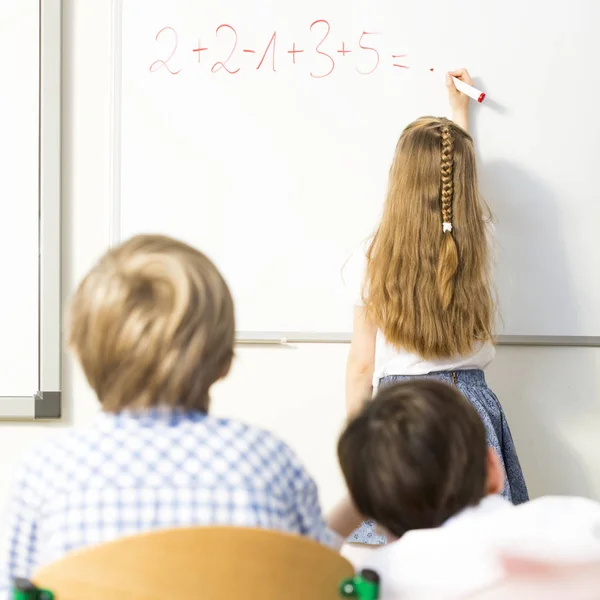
(272, 43)
(368, 49)
(293, 52)
(159, 64)
(319, 51)
(343, 50)
(199, 50)
(366, 57)
(401, 56)
(223, 64)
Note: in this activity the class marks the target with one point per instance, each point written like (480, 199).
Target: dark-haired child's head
(416, 456)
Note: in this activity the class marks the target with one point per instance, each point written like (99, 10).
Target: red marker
(467, 89)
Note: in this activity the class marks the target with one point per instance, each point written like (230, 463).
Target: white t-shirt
(463, 555)
(390, 360)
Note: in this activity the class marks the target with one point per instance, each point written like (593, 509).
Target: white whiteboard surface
(279, 176)
(19, 123)
(30, 205)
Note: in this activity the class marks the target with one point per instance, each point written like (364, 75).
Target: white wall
(551, 395)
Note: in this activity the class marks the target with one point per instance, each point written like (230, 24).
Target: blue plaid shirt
(137, 472)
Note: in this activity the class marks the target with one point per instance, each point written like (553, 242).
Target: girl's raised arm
(459, 102)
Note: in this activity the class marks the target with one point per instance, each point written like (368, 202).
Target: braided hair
(448, 259)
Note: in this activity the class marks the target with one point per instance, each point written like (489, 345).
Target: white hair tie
(446, 227)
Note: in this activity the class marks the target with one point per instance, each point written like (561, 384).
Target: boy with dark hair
(416, 462)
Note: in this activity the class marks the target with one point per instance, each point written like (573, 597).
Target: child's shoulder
(64, 455)
(251, 434)
(49, 457)
(557, 507)
(257, 450)
(67, 440)
(353, 271)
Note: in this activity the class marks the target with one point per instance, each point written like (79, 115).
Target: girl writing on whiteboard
(426, 306)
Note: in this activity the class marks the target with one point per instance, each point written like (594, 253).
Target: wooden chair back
(200, 563)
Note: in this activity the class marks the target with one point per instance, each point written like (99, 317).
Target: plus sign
(293, 52)
(199, 49)
(343, 50)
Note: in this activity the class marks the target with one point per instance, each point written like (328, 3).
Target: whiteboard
(262, 132)
(19, 28)
(30, 196)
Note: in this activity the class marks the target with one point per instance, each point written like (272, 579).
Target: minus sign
(250, 51)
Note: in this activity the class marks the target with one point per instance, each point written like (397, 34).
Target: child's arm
(19, 543)
(459, 102)
(361, 362)
(306, 506)
(344, 518)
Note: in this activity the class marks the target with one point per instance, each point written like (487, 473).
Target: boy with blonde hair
(152, 325)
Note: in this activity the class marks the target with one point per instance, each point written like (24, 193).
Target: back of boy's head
(152, 324)
(415, 456)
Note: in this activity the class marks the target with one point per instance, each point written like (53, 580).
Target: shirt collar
(164, 416)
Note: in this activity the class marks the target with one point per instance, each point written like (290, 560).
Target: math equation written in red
(319, 55)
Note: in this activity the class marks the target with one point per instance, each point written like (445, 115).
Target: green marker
(364, 586)
(23, 589)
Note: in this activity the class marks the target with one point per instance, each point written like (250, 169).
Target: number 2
(323, 53)
(159, 64)
(223, 65)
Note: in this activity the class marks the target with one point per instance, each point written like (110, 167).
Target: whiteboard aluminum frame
(45, 403)
(283, 338)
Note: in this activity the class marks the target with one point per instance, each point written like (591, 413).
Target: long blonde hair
(427, 284)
